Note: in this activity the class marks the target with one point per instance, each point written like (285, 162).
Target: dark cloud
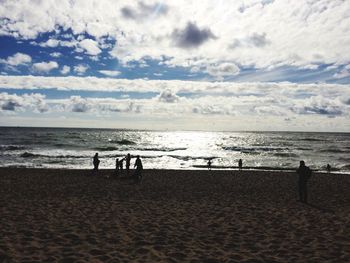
(191, 36)
(168, 96)
(254, 40)
(10, 105)
(143, 11)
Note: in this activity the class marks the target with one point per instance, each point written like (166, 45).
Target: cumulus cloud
(168, 96)
(80, 69)
(110, 73)
(302, 36)
(50, 43)
(254, 40)
(143, 11)
(224, 69)
(90, 46)
(78, 104)
(191, 36)
(44, 67)
(17, 59)
(32, 102)
(65, 70)
(56, 54)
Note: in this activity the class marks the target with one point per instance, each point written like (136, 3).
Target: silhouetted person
(209, 165)
(240, 164)
(328, 168)
(116, 166)
(127, 164)
(121, 164)
(138, 169)
(304, 173)
(96, 162)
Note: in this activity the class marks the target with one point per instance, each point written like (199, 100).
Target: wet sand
(172, 216)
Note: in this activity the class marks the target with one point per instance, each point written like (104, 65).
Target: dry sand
(172, 216)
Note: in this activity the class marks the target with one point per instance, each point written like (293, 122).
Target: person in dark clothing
(328, 168)
(209, 165)
(304, 173)
(138, 169)
(116, 167)
(127, 164)
(96, 162)
(121, 164)
(240, 164)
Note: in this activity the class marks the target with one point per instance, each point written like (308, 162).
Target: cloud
(168, 96)
(306, 32)
(78, 104)
(224, 69)
(45, 67)
(65, 70)
(343, 73)
(56, 54)
(143, 11)
(191, 36)
(90, 46)
(110, 73)
(50, 43)
(80, 69)
(255, 40)
(17, 59)
(31, 102)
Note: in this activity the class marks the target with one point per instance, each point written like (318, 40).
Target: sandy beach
(172, 216)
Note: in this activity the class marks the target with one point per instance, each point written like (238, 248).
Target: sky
(257, 65)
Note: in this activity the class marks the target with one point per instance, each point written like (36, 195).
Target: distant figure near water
(304, 173)
(127, 164)
(329, 168)
(96, 162)
(138, 169)
(209, 165)
(240, 164)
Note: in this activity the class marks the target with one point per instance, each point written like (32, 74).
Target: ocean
(74, 148)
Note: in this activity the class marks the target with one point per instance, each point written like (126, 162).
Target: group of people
(138, 167)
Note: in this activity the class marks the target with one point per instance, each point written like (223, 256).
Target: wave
(11, 148)
(164, 149)
(346, 167)
(187, 158)
(35, 155)
(106, 149)
(333, 150)
(252, 149)
(312, 140)
(123, 142)
(28, 155)
(283, 154)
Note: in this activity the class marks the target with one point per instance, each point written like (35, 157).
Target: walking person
(127, 164)
(138, 169)
(209, 165)
(240, 164)
(304, 173)
(96, 162)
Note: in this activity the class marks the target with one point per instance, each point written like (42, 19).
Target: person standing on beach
(304, 173)
(96, 162)
(139, 167)
(209, 165)
(127, 164)
(240, 164)
(116, 166)
(328, 168)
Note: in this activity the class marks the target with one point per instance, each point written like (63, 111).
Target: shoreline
(196, 168)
